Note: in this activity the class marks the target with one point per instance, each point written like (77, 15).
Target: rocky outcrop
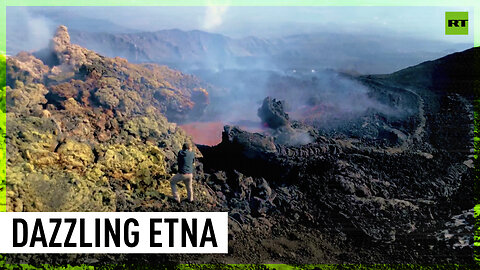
(272, 113)
(284, 131)
(26, 98)
(112, 83)
(26, 68)
(70, 55)
(86, 130)
(251, 145)
(87, 159)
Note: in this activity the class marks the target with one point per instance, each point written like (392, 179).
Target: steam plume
(27, 31)
(214, 16)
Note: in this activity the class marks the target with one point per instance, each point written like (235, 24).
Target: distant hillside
(201, 50)
(456, 73)
(174, 47)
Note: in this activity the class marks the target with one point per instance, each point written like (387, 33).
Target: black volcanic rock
(385, 194)
(272, 113)
(454, 73)
(251, 145)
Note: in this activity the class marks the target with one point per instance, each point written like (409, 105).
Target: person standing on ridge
(185, 161)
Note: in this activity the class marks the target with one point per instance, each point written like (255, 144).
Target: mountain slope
(202, 50)
(87, 132)
(175, 47)
(454, 73)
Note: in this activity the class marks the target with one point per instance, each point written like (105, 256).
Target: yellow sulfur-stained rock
(56, 191)
(40, 157)
(134, 163)
(90, 133)
(23, 98)
(145, 127)
(75, 154)
(95, 173)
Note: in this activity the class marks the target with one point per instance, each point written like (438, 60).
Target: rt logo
(456, 23)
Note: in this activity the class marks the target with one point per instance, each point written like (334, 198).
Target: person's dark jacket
(185, 161)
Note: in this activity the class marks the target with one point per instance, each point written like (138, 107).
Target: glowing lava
(206, 133)
(210, 133)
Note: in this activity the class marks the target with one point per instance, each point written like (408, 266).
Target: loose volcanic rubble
(86, 130)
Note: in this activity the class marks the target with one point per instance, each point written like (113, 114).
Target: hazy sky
(420, 22)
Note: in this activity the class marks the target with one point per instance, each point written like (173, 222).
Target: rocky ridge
(85, 130)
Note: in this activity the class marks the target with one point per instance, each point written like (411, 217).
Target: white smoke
(27, 31)
(214, 16)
